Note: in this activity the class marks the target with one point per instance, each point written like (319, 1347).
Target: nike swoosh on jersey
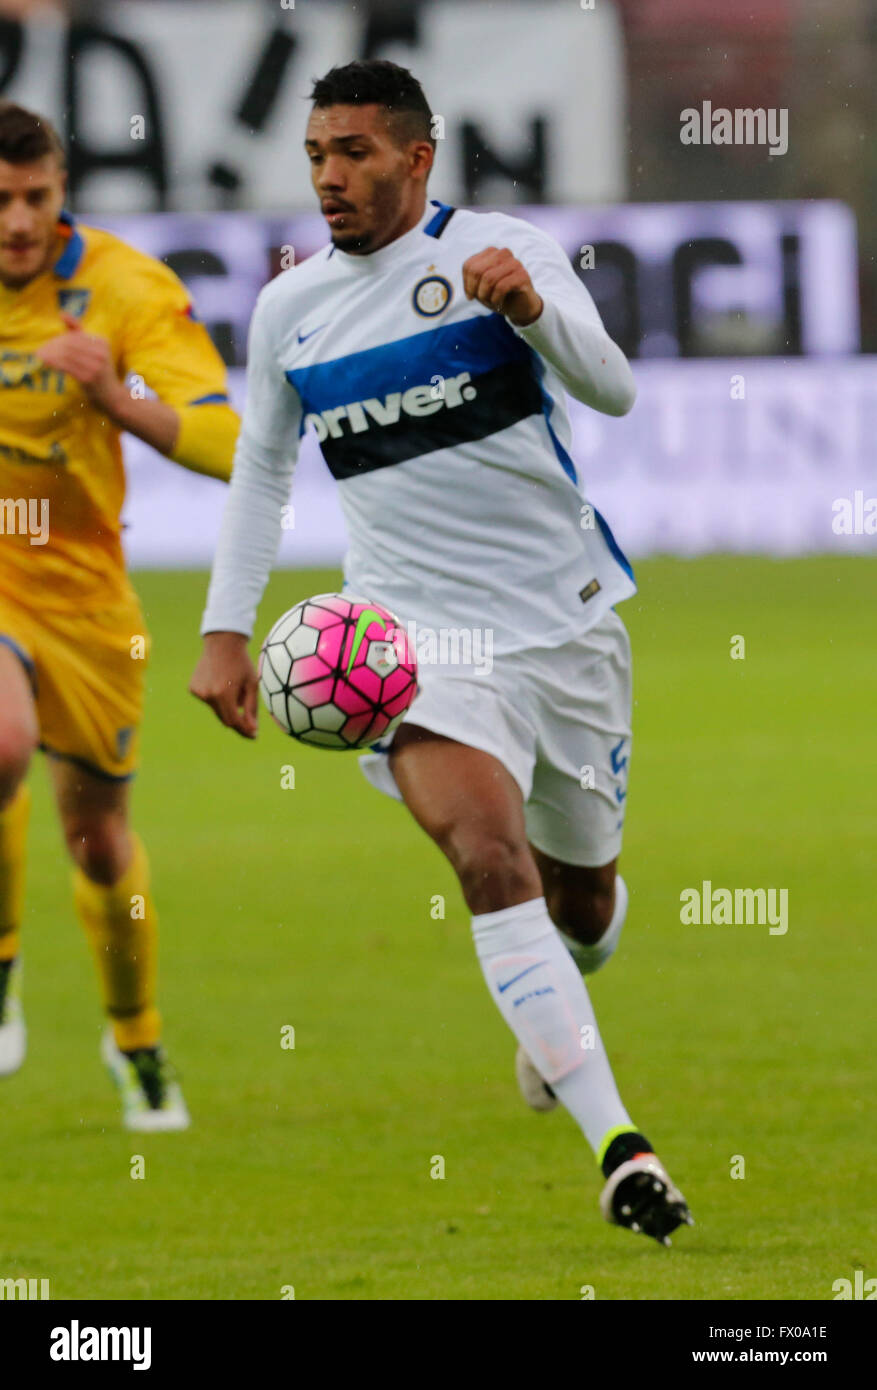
(303, 337)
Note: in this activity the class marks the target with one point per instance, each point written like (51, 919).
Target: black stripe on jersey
(502, 396)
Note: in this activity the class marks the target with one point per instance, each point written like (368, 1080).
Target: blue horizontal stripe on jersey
(217, 398)
(440, 389)
(476, 345)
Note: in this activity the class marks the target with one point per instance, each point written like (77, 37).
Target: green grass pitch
(310, 907)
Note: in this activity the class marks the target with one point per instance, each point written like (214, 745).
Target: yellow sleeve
(207, 438)
(173, 353)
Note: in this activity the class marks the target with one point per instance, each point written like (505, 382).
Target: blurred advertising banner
(754, 415)
(669, 279)
(203, 105)
(754, 455)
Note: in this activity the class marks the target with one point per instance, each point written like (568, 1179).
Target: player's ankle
(623, 1147)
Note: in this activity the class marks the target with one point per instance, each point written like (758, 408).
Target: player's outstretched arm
(541, 296)
(226, 680)
(250, 534)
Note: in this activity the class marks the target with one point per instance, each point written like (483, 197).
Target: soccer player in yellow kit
(81, 313)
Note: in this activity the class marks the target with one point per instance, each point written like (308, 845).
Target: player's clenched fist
(496, 278)
(87, 358)
(226, 680)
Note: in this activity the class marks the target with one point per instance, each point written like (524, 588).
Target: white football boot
(641, 1195)
(13, 1034)
(536, 1092)
(151, 1097)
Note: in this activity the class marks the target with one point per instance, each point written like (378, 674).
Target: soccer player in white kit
(429, 349)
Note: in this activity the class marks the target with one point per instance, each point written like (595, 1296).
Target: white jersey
(446, 429)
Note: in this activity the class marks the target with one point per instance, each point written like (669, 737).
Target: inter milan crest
(74, 302)
(432, 295)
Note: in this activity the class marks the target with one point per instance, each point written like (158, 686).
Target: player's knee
(99, 846)
(494, 870)
(18, 743)
(584, 914)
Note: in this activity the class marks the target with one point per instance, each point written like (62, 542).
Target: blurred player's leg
(114, 903)
(472, 807)
(470, 804)
(18, 739)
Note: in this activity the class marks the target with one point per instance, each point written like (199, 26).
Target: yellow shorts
(87, 671)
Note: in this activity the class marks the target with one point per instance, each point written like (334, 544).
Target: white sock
(542, 997)
(590, 958)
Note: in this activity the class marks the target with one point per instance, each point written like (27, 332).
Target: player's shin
(13, 847)
(121, 925)
(542, 997)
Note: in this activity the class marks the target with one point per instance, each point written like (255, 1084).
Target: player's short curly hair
(25, 136)
(376, 81)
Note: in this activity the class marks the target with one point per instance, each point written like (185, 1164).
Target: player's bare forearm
(226, 680)
(152, 421)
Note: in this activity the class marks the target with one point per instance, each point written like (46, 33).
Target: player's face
(31, 199)
(371, 189)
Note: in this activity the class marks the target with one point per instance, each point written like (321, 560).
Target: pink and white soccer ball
(337, 671)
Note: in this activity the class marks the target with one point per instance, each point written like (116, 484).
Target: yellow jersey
(62, 479)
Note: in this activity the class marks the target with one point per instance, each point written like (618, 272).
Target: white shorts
(559, 719)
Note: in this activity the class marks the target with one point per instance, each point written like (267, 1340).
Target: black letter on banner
(481, 162)
(397, 22)
(191, 263)
(613, 286)
(256, 105)
(11, 46)
(258, 100)
(143, 156)
(792, 343)
(687, 260)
